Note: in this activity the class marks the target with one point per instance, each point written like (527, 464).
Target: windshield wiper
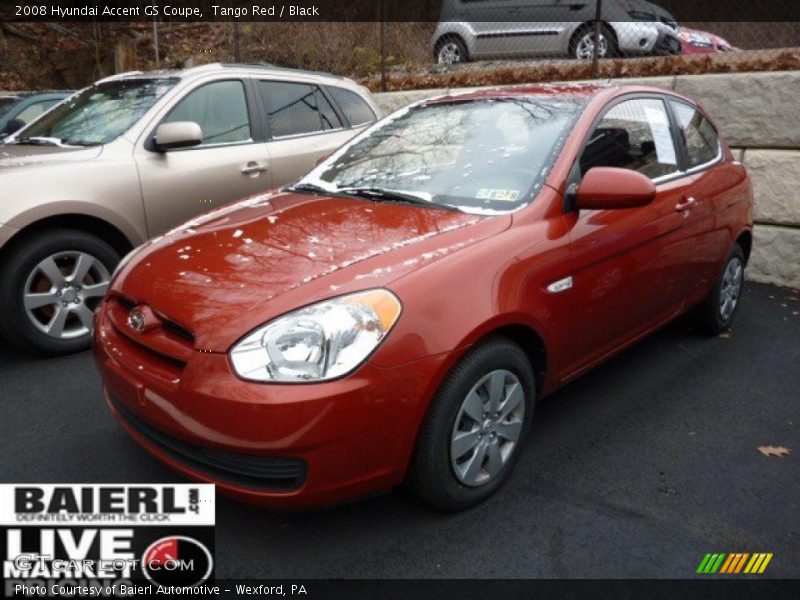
(82, 143)
(39, 141)
(383, 195)
(309, 187)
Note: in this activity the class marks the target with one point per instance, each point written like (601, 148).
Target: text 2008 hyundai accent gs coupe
(394, 316)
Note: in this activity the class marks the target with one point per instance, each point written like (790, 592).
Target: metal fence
(470, 45)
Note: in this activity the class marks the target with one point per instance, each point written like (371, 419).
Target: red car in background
(395, 315)
(695, 41)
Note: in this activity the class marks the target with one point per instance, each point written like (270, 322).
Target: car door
(511, 27)
(303, 127)
(633, 266)
(227, 165)
(544, 23)
(702, 154)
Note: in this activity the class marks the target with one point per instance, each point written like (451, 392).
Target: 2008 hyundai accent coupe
(394, 315)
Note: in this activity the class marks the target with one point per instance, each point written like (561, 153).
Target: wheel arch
(519, 330)
(122, 240)
(451, 35)
(745, 240)
(588, 25)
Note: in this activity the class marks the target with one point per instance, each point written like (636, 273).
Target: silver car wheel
(61, 292)
(449, 54)
(487, 428)
(731, 288)
(584, 49)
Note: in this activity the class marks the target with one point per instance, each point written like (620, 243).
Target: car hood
(236, 268)
(14, 156)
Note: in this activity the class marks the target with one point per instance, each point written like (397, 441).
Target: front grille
(264, 473)
(175, 329)
(168, 325)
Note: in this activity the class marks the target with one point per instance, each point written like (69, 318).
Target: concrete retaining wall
(759, 114)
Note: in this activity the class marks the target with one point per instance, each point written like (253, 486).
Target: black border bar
(354, 10)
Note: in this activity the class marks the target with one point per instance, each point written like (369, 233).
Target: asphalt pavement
(636, 470)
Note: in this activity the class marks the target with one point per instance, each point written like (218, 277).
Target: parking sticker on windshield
(500, 195)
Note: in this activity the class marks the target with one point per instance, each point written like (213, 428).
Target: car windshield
(97, 115)
(483, 156)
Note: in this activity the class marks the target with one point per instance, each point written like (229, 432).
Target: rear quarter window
(700, 139)
(355, 109)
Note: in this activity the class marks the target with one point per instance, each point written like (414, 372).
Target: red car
(394, 316)
(695, 41)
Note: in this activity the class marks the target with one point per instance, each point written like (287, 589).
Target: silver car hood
(13, 156)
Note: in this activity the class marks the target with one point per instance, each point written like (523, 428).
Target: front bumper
(646, 38)
(287, 446)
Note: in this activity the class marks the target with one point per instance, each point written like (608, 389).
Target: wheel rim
(487, 428)
(62, 292)
(584, 50)
(449, 54)
(731, 288)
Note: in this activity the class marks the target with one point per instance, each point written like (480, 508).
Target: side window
(353, 106)
(635, 135)
(297, 109)
(220, 108)
(700, 139)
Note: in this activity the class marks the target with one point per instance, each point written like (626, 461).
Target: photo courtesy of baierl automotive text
(400, 299)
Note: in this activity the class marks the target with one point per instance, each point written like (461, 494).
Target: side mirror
(181, 134)
(611, 188)
(13, 126)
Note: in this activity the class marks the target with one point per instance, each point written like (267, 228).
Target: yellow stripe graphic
(753, 564)
(765, 563)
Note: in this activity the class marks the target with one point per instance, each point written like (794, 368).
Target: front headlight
(320, 342)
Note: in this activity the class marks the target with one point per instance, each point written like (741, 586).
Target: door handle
(254, 168)
(685, 204)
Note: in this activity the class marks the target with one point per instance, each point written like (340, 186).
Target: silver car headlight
(319, 342)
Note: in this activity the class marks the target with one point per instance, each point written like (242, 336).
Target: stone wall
(759, 114)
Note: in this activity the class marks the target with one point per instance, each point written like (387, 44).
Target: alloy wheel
(731, 288)
(487, 428)
(584, 49)
(449, 54)
(62, 292)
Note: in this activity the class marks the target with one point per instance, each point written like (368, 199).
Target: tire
(40, 291)
(715, 316)
(442, 475)
(451, 50)
(583, 38)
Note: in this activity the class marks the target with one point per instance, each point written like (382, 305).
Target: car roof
(587, 91)
(31, 94)
(240, 68)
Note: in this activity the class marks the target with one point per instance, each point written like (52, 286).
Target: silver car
(137, 154)
(478, 30)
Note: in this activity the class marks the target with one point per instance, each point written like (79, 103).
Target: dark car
(20, 108)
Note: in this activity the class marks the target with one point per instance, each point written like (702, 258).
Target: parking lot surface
(637, 469)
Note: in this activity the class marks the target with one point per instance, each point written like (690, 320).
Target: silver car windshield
(97, 115)
(482, 156)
